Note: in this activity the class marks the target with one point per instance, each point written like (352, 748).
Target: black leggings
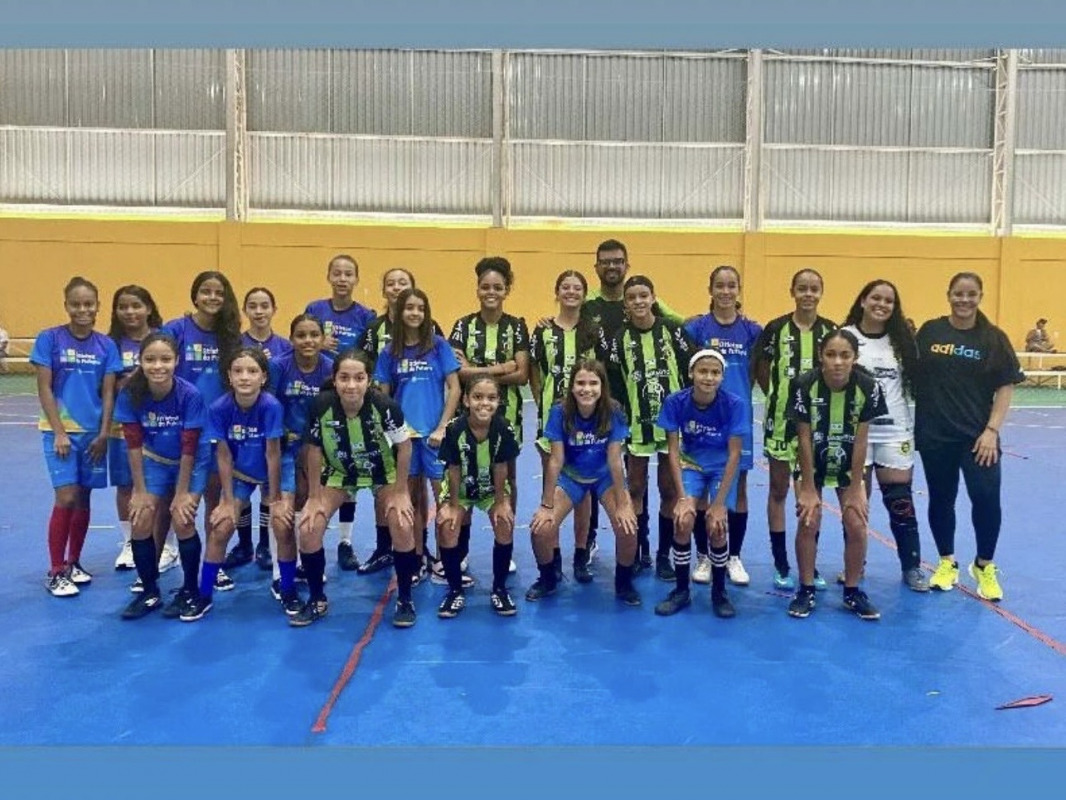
(942, 466)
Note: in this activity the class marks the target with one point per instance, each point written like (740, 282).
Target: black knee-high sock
(699, 531)
(666, 535)
(190, 550)
(899, 503)
(643, 535)
(738, 528)
(347, 512)
(451, 560)
(464, 541)
(425, 543)
(264, 525)
(719, 556)
(547, 574)
(315, 569)
(405, 564)
(779, 549)
(501, 564)
(244, 528)
(594, 518)
(147, 563)
(682, 562)
(384, 539)
(623, 577)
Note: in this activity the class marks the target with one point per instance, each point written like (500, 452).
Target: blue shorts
(576, 491)
(424, 460)
(77, 469)
(701, 484)
(118, 463)
(289, 456)
(161, 479)
(243, 490)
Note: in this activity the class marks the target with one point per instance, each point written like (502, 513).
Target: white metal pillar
(1004, 142)
(236, 137)
(498, 127)
(753, 188)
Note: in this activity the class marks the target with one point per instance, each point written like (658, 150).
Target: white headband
(706, 353)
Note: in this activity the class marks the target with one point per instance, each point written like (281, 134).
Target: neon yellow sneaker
(946, 576)
(987, 583)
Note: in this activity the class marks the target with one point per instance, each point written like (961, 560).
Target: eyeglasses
(611, 262)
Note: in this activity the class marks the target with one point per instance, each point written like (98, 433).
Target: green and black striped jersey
(789, 352)
(644, 367)
(834, 417)
(475, 459)
(357, 452)
(485, 345)
(553, 351)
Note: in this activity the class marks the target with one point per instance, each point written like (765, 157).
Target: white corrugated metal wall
(847, 136)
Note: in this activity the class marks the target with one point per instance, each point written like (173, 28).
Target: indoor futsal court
(578, 668)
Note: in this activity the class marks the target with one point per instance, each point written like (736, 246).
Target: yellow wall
(1025, 278)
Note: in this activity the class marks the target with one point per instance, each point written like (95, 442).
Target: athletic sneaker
(346, 559)
(701, 573)
(169, 558)
(78, 575)
(674, 602)
(436, 576)
(819, 582)
(540, 589)
(142, 605)
(802, 604)
(945, 576)
(512, 568)
(664, 570)
(238, 556)
(582, 572)
(452, 605)
(594, 548)
(223, 582)
(629, 596)
(137, 586)
(195, 608)
(858, 602)
(502, 603)
(721, 606)
(915, 580)
(61, 586)
(987, 583)
(378, 561)
(842, 578)
(738, 576)
(291, 603)
(263, 557)
(124, 562)
(785, 580)
(404, 616)
(310, 612)
(177, 605)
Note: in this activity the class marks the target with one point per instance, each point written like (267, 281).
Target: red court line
(353, 659)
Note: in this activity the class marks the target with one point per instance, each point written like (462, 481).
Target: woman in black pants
(967, 371)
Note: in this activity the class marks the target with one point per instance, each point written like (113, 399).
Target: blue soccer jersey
(78, 368)
(417, 382)
(296, 390)
(273, 346)
(163, 420)
(348, 327)
(704, 432)
(198, 357)
(585, 450)
(246, 432)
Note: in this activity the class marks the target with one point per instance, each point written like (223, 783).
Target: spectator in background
(1037, 340)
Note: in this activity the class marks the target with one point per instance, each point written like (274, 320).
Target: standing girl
(246, 426)
(786, 349)
(555, 347)
(587, 432)
(133, 316)
(832, 407)
(647, 361)
(888, 351)
(162, 420)
(76, 369)
(966, 376)
(356, 439)
(733, 335)
(476, 450)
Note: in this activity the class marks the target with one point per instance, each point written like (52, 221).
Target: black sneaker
(557, 563)
(263, 558)
(142, 605)
(404, 615)
(858, 602)
(802, 604)
(583, 572)
(223, 582)
(502, 603)
(721, 606)
(195, 609)
(540, 589)
(346, 559)
(629, 596)
(376, 563)
(664, 570)
(452, 605)
(174, 607)
(239, 556)
(309, 612)
(674, 602)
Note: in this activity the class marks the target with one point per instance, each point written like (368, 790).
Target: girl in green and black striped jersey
(647, 361)
(494, 343)
(557, 344)
(786, 349)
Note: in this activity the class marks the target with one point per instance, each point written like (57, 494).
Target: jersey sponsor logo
(694, 428)
(411, 365)
(199, 352)
(586, 439)
(129, 359)
(956, 350)
(886, 373)
(72, 356)
(300, 389)
(159, 420)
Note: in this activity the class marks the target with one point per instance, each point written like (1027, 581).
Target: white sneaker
(61, 586)
(223, 582)
(125, 558)
(594, 548)
(436, 575)
(512, 568)
(702, 572)
(137, 587)
(77, 575)
(738, 576)
(169, 558)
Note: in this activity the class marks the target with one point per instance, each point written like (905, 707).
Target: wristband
(993, 429)
(545, 505)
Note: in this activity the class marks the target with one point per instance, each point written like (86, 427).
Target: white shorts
(893, 455)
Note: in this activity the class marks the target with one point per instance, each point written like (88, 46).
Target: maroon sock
(79, 528)
(58, 534)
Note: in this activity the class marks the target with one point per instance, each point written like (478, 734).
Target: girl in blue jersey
(733, 335)
(206, 337)
(134, 315)
(420, 371)
(704, 427)
(246, 426)
(162, 418)
(76, 369)
(259, 307)
(587, 432)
